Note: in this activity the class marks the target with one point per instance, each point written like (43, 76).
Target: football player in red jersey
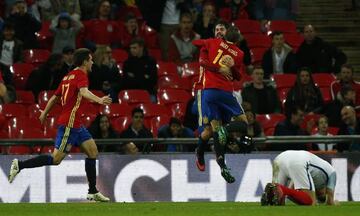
(70, 93)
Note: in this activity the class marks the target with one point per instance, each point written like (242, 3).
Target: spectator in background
(254, 128)
(25, 25)
(175, 130)
(322, 130)
(100, 128)
(65, 30)
(10, 51)
(262, 96)
(205, 22)
(140, 71)
(290, 127)
(345, 77)
(138, 130)
(350, 126)
(305, 94)
(47, 10)
(319, 55)
(279, 58)
(131, 30)
(181, 49)
(347, 97)
(48, 76)
(105, 74)
(101, 30)
(68, 57)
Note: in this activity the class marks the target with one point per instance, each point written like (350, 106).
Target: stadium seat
(284, 80)
(178, 110)
(43, 149)
(153, 110)
(294, 40)
(24, 97)
(50, 127)
(326, 94)
(225, 14)
(270, 120)
(155, 53)
(171, 96)
(285, 26)
(282, 93)
(310, 117)
(257, 55)
(13, 110)
(33, 111)
(54, 112)
(121, 123)
(151, 37)
(87, 119)
(134, 96)
(44, 97)
(258, 40)
(248, 26)
(119, 55)
(157, 122)
(269, 131)
(190, 69)
(45, 36)
(18, 127)
(174, 82)
(166, 68)
(115, 110)
(245, 78)
(21, 72)
(323, 79)
(91, 109)
(36, 56)
(19, 150)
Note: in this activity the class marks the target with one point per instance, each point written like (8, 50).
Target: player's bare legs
(203, 140)
(90, 149)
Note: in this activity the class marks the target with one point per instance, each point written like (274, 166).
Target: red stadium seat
(270, 120)
(34, 110)
(178, 110)
(170, 96)
(44, 36)
(153, 110)
(91, 109)
(116, 110)
(134, 96)
(269, 131)
(248, 26)
(257, 55)
(323, 79)
(87, 119)
(167, 68)
(13, 110)
(24, 97)
(157, 122)
(155, 53)
(50, 127)
(258, 40)
(21, 72)
(310, 117)
(121, 123)
(174, 82)
(225, 14)
(43, 149)
(151, 37)
(54, 112)
(282, 93)
(44, 97)
(245, 78)
(19, 150)
(22, 127)
(294, 40)
(326, 94)
(36, 56)
(119, 55)
(285, 26)
(190, 69)
(284, 80)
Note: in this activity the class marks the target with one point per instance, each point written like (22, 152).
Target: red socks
(297, 196)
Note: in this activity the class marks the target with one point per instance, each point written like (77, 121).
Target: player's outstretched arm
(53, 100)
(330, 197)
(106, 100)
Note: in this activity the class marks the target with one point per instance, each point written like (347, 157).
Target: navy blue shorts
(219, 105)
(67, 137)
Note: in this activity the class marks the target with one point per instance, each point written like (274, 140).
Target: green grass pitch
(174, 209)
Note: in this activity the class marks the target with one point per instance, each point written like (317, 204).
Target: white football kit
(304, 169)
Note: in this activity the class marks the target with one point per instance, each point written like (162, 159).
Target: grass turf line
(174, 209)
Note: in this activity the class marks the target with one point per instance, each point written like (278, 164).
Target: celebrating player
(313, 179)
(71, 132)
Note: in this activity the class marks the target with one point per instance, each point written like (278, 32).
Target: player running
(312, 177)
(71, 132)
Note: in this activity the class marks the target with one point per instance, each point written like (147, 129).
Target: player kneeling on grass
(313, 180)
(71, 91)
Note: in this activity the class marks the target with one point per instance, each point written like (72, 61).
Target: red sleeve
(82, 81)
(204, 61)
(199, 42)
(58, 90)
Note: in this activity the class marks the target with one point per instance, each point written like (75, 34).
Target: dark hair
(52, 61)
(223, 23)
(345, 89)
(80, 55)
(276, 33)
(348, 66)
(130, 16)
(137, 110)
(94, 127)
(174, 120)
(186, 14)
(138, 40)
(8, 26)
(232, 34)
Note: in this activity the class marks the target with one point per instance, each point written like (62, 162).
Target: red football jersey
(218, 49)
(71, 100)
(199, 83)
